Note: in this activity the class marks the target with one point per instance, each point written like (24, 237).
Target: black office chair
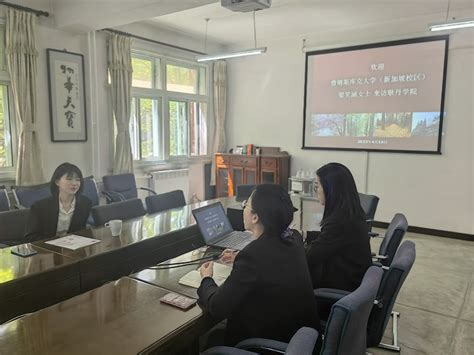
(12, 226)
(4, 200)
(392, 239)
(119, 210)
(165, 201)
(391, 284)
(369, 205)
(121, 187)
(243, 192)
(92, 193)
(26, 196)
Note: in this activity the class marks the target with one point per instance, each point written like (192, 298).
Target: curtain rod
(151, 40)
(24, 8)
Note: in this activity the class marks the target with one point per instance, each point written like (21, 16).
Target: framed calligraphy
(67, 102)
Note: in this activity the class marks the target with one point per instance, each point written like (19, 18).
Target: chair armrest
(329, 294)
(263, 344)
(114, 196)
(147, 189)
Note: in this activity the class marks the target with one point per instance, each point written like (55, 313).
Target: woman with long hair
(339, 255)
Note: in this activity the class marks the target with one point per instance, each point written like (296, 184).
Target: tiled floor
(436, 303)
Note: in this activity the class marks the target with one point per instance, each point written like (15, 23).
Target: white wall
(265, 107)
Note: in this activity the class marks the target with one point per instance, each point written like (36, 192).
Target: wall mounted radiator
(169, 180)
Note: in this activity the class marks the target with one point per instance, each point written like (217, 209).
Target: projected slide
(380, 97)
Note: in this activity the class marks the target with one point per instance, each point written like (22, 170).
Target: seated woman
(268, 293)
(64, 212)
(339, 255)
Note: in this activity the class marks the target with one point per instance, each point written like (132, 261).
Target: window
(169, 108)
(6, 143)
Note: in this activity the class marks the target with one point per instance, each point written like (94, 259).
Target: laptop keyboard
(237, 240)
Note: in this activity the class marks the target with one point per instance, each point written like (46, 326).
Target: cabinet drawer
(269, 163)
(244, 161)
(222, 160)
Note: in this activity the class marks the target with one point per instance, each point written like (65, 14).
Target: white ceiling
(288, 18)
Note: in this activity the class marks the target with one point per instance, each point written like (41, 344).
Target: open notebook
(193, 278)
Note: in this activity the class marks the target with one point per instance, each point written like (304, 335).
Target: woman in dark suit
(66, 211)
(339, 255)
(268, 293)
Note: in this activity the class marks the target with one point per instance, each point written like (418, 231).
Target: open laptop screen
(212, 221)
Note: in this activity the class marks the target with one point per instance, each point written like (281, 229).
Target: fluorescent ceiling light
(452, 25)
(253, 51)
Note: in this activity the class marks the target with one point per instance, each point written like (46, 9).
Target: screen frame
(379, 45)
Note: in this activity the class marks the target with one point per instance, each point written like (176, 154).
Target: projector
(246, 5)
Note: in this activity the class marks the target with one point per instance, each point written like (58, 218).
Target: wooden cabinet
(233, 170)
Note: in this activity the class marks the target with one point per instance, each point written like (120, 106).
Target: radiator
(169, 180)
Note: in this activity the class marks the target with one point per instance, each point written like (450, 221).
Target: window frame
(164, 96)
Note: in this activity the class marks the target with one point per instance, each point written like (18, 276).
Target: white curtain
(120, 69)
(220, 106)
(21, 54)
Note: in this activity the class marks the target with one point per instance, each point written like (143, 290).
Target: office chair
(369, 205)
(392, 239)
(243, 192)
(165, 201)
(121, 187)
(4, 200)
(302, 343)
(26, 196)
(118, 210)
(12, 226)
(90, 190)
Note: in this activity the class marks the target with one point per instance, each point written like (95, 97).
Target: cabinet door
(222, 181)
(250, 176)
(268, 177)
(237, 179)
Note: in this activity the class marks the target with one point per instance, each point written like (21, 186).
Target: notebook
(193, 278)
(216, 229)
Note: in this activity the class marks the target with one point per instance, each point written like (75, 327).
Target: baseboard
(429, 231)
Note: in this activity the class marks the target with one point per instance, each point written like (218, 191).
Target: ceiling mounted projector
(246, 5)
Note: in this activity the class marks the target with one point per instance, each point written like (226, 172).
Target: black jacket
(268, 293)
(339, 255)
(43, 218)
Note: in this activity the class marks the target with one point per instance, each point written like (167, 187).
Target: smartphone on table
(23, 250)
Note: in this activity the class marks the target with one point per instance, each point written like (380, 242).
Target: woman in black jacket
(339, 255)
(66, 211)
(268, 293)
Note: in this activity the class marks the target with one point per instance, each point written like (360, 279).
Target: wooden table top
(121, 317)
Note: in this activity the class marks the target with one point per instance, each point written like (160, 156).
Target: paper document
(72, 242)
(193, 278)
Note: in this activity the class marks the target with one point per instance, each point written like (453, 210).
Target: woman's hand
(207, 269)
(228, 256)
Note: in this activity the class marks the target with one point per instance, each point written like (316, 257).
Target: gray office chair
(391, 284)
(165, 201)
(369, 204)
(4, 200)
(119, 210)
(392, 239)
(26, 196)
(243, 192)
(12, 226)
(121, 187)
(302, 343)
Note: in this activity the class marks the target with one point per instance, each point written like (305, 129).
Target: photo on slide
(344, 125)
(393, 124)
(425, 124)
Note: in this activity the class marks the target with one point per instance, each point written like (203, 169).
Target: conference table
(56, 274)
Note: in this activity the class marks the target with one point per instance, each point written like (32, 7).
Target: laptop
(216, 229)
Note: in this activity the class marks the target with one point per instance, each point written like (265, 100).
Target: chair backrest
(90, 190)
(346, 329)
(303, 342)
(123, 184)
(391, 284)
(4, 200)
(118, 210)
(165, 201)
(369, 204)
(243, 192)
(12, 226)
(393, 237)
(26, 196)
